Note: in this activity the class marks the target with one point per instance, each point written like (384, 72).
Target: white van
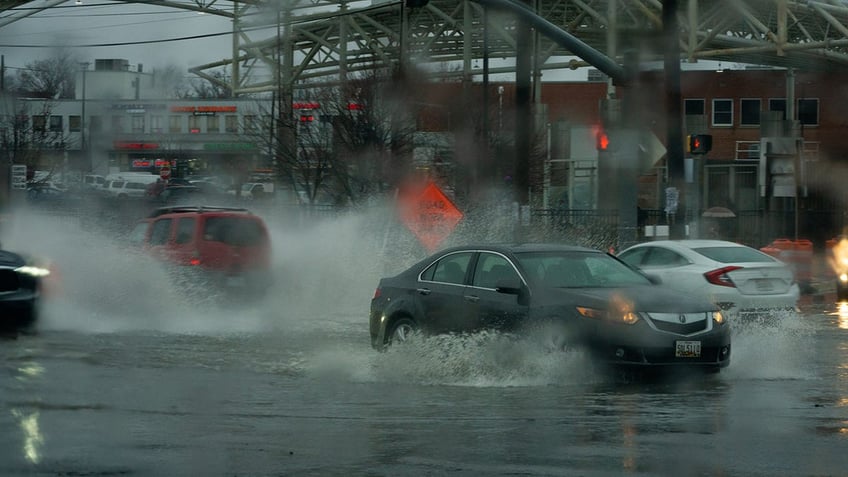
(93, 182)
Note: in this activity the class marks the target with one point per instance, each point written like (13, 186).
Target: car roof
(520, 248)
(692, 243)
(197, 209)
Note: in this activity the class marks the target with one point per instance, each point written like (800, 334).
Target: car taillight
(719, 276)
(195, 259)
(377, 293)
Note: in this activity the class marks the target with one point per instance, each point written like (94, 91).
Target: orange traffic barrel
(783, 244)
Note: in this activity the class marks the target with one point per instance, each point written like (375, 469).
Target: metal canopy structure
(303, 41)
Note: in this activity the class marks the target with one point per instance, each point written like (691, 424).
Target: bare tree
(27, 135)
(51, 78)
(171, 82)
(215, 88)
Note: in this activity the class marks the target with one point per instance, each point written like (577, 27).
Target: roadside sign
(19, 172)
(430, 215)
(165, 172)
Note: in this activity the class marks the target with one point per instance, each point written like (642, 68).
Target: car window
(663, 257)
(138, 234)
(734, 254)
(240, 231)
(136, 185)
(116, 184)
(578, 269)
(491, 269)
(634, 257)
(161, 231)
(185, 229)
(450, 269)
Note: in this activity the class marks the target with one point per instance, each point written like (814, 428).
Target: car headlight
(617, 316)
(718, 317)
(33, 271)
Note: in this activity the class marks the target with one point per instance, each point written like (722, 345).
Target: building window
(175, 124)
(749, 112)
(156, 124)
(212, 124)
(249, 123)
(194, 124)
(693, 107)
(722, 112)
(137, 123)
(808, 111)
(55, 123)
(118, 124)
(231, 123)
(74, 123)
(39, 123)
(778, 104)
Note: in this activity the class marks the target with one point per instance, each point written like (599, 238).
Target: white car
(125, 189)
(739, 279)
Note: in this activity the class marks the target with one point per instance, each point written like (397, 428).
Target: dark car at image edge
(578, 297)
(20, 291)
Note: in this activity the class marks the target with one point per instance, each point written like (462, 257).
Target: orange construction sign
(430, 215)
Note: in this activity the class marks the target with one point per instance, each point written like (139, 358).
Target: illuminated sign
(306, 105)
(203, 109)
(141, 163)
(135, 145)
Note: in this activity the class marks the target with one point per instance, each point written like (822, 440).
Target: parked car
(222, 247)
(122, 189)
(20, 291)
(739, 279)
(581, 297)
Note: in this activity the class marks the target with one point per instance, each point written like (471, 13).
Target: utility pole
(674, 119)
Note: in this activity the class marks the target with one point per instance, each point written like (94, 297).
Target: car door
(672, 268)
(490, 308)
(440, 293)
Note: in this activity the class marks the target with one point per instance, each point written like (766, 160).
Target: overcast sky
(94, 22)
(97, 23)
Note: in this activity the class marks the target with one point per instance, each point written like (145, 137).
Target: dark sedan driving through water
(579, 297)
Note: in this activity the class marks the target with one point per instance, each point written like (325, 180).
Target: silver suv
(125, 189)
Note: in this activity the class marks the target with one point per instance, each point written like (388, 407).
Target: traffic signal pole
(676, 211)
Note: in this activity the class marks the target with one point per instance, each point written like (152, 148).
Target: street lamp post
(83, 148)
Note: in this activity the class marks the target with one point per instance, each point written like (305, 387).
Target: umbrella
(720, 212)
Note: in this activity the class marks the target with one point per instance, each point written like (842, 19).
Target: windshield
(578, 270)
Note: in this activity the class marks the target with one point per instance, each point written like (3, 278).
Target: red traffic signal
(602, 141)
(700, 143)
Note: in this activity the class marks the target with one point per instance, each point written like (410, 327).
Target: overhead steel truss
(301, 41)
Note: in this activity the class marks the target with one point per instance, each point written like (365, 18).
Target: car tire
(401, 330)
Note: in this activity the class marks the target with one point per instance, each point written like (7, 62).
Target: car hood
(650, 298)
(11, 259)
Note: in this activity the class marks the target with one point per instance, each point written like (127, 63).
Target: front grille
(8, 280)
(680, 328)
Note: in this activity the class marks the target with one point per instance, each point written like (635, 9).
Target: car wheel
(402, 330)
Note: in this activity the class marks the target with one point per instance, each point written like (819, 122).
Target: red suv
(225, 246)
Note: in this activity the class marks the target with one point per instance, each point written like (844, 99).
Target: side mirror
(514, 286)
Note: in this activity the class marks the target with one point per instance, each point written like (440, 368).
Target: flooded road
(126, 377)
(294, 394)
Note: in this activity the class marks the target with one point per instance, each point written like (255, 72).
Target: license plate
(687, 349)
(764, 285)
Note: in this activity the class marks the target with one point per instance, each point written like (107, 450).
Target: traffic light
(602, 141)
(700, 143)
